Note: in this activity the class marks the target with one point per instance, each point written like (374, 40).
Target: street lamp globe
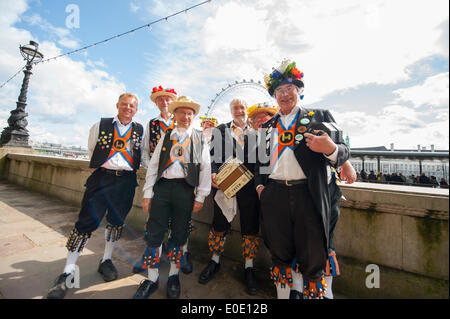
(30, 52)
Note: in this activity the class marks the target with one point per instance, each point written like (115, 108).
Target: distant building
(431, 162)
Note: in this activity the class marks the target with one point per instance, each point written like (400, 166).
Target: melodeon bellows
(232, 176)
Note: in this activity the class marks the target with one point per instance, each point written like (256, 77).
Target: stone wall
(402, 230)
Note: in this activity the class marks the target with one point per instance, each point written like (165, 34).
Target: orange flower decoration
(297, 73)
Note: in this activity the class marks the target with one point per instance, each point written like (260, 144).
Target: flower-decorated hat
(159, 91)
(184, 101)
(284, 74)
(205, 119)
(261, 107)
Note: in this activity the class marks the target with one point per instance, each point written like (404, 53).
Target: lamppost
(16, 134)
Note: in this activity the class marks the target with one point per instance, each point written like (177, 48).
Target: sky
(381, 67)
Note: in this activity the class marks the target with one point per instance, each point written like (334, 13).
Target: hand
(259, 191)
(213, 181)
(348, 173)
(197, 207)
(320, 144)
(146, 203)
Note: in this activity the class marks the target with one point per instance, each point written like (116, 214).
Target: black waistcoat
(105, 143)
(192, 157)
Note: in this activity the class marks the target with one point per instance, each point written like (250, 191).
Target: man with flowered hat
(292, 182)
(239, 140)
(177, 183)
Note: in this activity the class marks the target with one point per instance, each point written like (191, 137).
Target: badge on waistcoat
(305, 121)
(104, 140)
(302, 129)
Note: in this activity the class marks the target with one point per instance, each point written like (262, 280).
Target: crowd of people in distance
(400, 179)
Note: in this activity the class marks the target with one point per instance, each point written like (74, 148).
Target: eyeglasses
(287, 89)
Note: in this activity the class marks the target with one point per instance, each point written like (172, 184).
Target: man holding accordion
(235, 141)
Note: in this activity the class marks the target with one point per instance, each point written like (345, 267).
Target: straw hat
(184, 101)
(159, 91)
(205, 119)
(260, 108)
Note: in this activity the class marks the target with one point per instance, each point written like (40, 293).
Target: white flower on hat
(282, 68)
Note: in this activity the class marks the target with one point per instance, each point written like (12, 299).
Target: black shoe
(173, 287)
(187, 263)
(59, 289)
(107, 270)
(146, 288)
(250, 281)
(294, 294)
(138, 267)
(208, 273)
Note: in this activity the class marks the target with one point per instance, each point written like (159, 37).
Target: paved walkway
(33, 232)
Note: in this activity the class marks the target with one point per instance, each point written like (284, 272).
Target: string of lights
(147, 26)
(10, 79)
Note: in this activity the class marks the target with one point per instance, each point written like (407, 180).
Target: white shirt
(287, 166)
(117, 162)
(145, 141)
(177, 171)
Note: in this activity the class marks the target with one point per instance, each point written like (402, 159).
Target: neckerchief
(178, 151)
(120, 145)
(284, 139)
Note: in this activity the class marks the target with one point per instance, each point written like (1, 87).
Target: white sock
(153, 273)
(72, 258)
(173, 269)
(216, 258)
(297, 281)
(71, 261)
(329, 292)
(109, 247)
(248, 263)
(283, 293)
(185, 247)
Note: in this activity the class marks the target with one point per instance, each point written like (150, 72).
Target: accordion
(232, 176)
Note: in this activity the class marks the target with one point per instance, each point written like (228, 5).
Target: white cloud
(398, 124)
(63, 34)
(338, 45)
(133, 7)
(434, 91)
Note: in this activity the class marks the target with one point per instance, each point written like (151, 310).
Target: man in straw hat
(177, 182)
(208, 123)
(260, 113)
(156, 127)
(237, 137)
(115, 151)
(292, 183)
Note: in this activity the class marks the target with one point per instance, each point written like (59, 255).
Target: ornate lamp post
(16, 134)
